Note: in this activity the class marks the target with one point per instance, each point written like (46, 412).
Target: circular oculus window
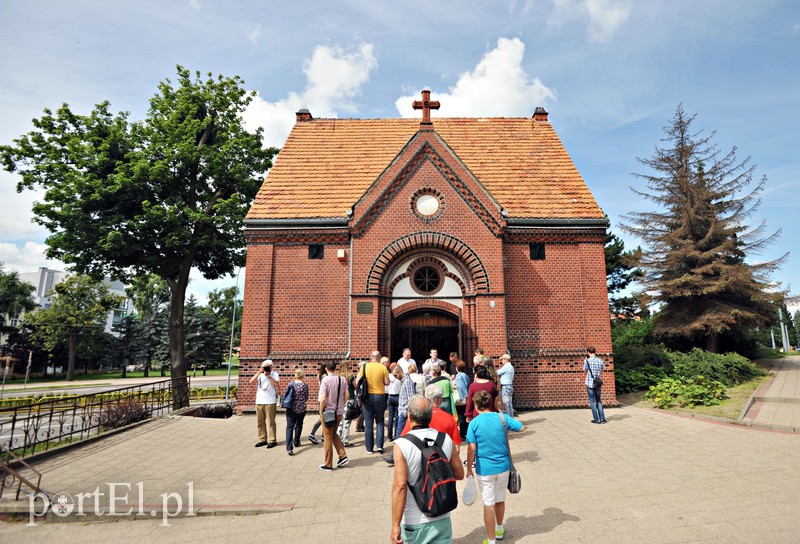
(427, 280)
(427, 205)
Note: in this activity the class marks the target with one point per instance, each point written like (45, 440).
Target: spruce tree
(697, 240)
(621, 271)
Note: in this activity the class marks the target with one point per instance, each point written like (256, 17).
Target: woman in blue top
(488, 449)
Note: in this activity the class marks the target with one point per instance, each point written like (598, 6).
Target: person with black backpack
(426, 467)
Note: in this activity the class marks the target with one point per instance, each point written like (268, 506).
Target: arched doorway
(423, 330)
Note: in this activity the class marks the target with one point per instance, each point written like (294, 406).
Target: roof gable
(423, 149)
(327, 165)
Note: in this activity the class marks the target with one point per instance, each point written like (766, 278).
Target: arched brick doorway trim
(458, 250)
(415, 305)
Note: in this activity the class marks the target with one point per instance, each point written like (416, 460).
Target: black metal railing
(39, 426)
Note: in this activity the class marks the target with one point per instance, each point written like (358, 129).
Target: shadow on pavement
(530, 456)
(517, 526)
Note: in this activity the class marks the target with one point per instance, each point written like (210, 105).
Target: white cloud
(604, 16)
(335, 77)
(498, 86)
(198, 4)
(254, 34)
(28, 258)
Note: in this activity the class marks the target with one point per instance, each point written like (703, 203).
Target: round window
(427, 279)
(427, 204)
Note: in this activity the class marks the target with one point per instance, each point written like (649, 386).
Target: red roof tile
(326, 165)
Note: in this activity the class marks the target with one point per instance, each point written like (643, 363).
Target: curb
(21, 512)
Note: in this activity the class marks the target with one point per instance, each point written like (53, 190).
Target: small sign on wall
(363, 307)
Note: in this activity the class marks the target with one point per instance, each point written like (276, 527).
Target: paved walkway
(777, 402)
(647, 476)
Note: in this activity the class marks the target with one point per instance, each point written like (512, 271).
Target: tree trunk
(177, 342)
(712, 343)
(73, 345)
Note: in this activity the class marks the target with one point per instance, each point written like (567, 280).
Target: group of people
(483, 422)
(438, 400)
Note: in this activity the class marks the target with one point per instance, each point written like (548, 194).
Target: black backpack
(362, 387)
(435, 489)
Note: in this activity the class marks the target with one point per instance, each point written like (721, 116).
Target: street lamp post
(233, 329)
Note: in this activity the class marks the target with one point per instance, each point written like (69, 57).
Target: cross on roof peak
(426, 106)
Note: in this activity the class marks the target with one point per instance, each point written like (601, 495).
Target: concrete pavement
(647, 476)
(777, 402)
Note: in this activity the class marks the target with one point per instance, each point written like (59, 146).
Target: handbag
(514, 477)
(596, 381)
(329, 416)
(351, 410)
(287, 399)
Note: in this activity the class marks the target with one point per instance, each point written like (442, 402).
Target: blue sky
(611, 74)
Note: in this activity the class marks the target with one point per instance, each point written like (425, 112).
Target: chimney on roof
(540, 114)
(303, 116)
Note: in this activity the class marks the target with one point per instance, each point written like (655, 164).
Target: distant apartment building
(45, 279)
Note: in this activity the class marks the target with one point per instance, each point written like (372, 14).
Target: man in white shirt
(266, 404)
(409, 524)
(506, 375)
(433, 360)
(405, 360)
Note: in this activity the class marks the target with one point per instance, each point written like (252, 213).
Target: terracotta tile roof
(326, 165)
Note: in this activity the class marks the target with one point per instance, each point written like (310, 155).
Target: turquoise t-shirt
(486, 430)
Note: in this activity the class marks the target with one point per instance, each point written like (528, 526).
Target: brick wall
(544, 312)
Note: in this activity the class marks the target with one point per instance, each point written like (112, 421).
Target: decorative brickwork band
(405, 245)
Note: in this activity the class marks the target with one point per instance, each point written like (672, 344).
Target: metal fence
(41, 425)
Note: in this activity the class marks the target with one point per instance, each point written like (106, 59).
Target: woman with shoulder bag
(296, 413)
(462, 386)
(487, 448)
(332, 391)
(344, 426)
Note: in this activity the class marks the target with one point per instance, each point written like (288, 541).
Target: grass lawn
(729, 408)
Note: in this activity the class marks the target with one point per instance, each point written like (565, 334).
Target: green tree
(79, 311)
(150, 295)
(621, 271)
(15, 298)
(221, 302)
(695, 263)
(158, 196)
(796, 320)
(206, 336)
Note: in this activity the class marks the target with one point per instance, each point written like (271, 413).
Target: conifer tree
(698, 241)
(621, 271)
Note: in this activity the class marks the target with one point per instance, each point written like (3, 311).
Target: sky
(611, 73)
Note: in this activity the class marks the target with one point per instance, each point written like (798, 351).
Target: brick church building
(450, 233)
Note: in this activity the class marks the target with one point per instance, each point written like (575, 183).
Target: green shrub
(729, 369)
(630, 380)
(639, 357)
(638, 367)
(686, 392)
(631, 333)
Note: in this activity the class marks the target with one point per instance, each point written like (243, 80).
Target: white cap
(505, 356)
(266, 363)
